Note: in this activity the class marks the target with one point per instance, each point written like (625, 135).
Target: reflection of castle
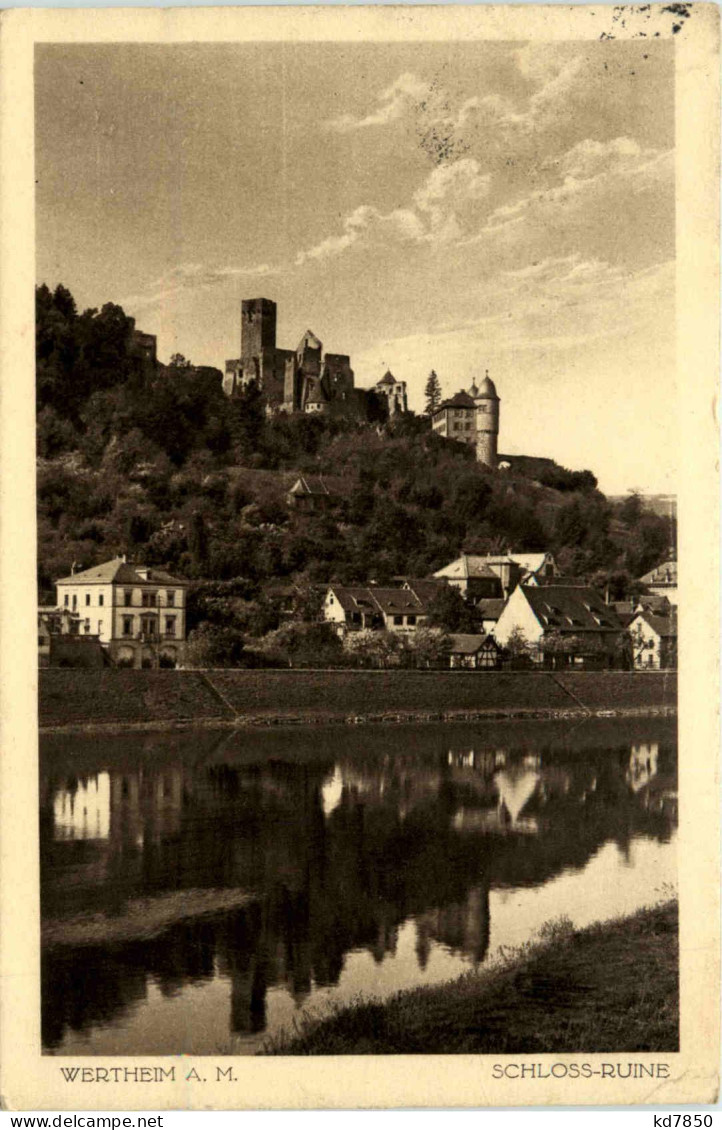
(336, 853)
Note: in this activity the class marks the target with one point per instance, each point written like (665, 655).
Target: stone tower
(394, 391)
(487, 422)
(258, 335)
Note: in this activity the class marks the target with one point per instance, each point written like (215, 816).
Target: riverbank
(142, 919)
(611, 987)
(147, 700)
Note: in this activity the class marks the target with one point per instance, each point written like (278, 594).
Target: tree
(428, 647)
(375, 648)
(211, 646)
(518, 649)
(449, 610)
(631, 509)
(432, 392)
(247, 418)
(198, 539)
(179, 362)
(301, 645)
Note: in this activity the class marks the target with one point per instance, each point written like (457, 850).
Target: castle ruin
(302, 380)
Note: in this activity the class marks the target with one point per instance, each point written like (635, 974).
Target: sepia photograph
(358, 451)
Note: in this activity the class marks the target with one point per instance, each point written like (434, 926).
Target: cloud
(364, 224)
(608, 172)
(193, 277)
(407, 93)
(449, 193)
(590, 158)
(547, 312)
(440, 211)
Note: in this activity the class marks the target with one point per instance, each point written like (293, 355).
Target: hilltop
(159, 463)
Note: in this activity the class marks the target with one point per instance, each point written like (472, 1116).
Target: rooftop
(468, 565)
(664, 626)
(665, 574)
(461, 400)
(120, 572)
(466, 644)
(388, 378)
(569, 609)
(310, 484)
(491, 608)
(376, 599)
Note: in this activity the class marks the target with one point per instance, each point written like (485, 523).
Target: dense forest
(161, 465)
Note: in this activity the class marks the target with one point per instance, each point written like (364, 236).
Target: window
(411, 620)
(398, 620)
(148, 599)
(148, 626)
(101, 600)
(87, 599)
(100, 627)
(128, 598)
(170, 599)
(87, 627)
(75, 601)
(127, 625)
(66, 598)
(170, 625)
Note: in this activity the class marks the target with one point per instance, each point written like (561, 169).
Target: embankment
(611, 987)
(154, 699)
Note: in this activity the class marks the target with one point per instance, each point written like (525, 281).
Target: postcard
(359, 409)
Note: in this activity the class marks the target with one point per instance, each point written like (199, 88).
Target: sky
(458, 206)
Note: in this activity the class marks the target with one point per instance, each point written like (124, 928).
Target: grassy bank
(611, 987)
(141, 919)
(71, 698)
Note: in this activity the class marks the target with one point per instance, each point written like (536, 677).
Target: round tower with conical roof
(487, 422)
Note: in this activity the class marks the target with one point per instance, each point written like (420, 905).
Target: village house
(662, 581)
(474, 579)
(473, 651)
(309, 494)
(647, 602)
(351, 608)
(562, 626)
(654, 640)
(496, 575)
(60, 643)
(490, 609)
(137, 612)
(424, 588)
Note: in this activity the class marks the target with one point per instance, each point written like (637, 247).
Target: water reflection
(269, 864)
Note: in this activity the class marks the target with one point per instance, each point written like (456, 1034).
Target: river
(201, 890)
